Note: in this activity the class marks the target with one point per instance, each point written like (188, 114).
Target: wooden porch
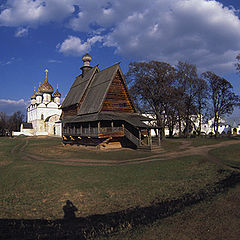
(141, 138)
(102, 132)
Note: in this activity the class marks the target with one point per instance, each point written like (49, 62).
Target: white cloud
(199, 31)
(54, 61)
(9, 61)
(10, 106)
(21, 32)
(34, 12)
(74, 45)
(203, 32)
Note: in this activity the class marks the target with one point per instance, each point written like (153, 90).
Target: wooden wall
(117, 99)
(70, 111)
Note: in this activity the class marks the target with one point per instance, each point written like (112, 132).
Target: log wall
(70, 111)
(117, 99)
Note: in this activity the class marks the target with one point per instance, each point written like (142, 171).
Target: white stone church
(43, 114)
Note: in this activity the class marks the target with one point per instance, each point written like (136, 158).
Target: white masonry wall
(37, 115)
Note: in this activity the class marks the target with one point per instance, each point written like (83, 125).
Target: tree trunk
(179, 126)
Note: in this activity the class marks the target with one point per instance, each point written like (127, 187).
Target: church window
(42, 117)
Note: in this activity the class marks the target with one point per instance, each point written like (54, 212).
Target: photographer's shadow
(69, 211)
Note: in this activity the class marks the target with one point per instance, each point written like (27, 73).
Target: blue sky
(53, 34)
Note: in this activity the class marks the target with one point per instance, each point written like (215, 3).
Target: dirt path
(185, 150)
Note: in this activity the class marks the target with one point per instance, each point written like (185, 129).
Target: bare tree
(201, 102)
(188, 82)
(3, 123)
(238, 63)
(15, 121)
(223, 99)
(150, 84)
(172, 109)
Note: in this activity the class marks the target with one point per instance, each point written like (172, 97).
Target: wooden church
(98, 111)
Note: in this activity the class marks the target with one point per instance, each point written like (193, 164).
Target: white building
(43, 114)
(207, 127)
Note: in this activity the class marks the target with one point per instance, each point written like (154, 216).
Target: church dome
(33, 96)
(57, 94)
(39, 92)
(46, 87)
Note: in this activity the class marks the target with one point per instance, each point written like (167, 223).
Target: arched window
(42, 117)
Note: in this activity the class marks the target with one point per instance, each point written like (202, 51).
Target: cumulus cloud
(198, 31)
(203, 32)
(75, 46)
(21, 32)
(34, 12)
(10, 106)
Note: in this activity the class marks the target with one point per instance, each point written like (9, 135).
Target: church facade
(44, 111)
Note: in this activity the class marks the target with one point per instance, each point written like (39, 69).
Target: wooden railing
(131, 137)
(105, 132)
(92, 131)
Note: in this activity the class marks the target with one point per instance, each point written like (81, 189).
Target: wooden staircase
(132, 138)
(105, 142)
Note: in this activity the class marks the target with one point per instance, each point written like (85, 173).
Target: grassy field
(32, 189)
(216, 219)
(201, 141)
(230, 156)
(53, 148)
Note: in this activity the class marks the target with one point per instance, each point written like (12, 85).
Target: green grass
(6, 145)
(54, 149)
(217, 219)
(201, 141)
(32, 189)
(171, 144)
(228, 155)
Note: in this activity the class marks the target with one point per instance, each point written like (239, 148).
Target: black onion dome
(39, 92)
(57, 94)
(33, 96)
(46, 87)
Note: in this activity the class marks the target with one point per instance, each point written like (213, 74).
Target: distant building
(207, 126)
(43, 114)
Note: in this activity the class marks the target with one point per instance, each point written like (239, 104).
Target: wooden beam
(99, 126)
(150, 139)
(139, 136)
(159, 137)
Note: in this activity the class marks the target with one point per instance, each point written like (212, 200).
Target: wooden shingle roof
(133, 118)
(78, 88)
(97, 90)
(90, 90)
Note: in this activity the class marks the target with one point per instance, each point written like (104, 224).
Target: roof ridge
(118, 63)
(83, 77)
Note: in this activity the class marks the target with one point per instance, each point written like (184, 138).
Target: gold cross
(46, 71)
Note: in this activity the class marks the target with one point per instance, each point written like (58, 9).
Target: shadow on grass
(106, 224)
